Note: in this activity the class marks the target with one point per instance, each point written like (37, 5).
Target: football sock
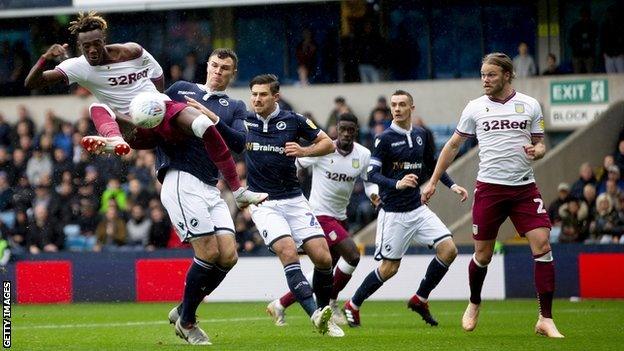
(476, 276)
(220, 155)
(435, 272)
(545, 282)
(197, 279)
(104, 122)
(300, 287)
(342, 275)
(371, 283)
(288, 299)
(322, 285)
(217, 276)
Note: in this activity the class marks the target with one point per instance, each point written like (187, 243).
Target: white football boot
(277, 312)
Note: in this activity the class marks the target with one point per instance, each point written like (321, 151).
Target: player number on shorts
(313, 222)
(540, 207)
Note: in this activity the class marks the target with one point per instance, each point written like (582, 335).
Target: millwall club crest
(281, 125)
(355, 163)
(419, 140)
(519, 108)
(311, 124)
(224, 102)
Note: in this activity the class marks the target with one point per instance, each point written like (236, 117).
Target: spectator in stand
(38, 166)
(111, 231)
(583, 37)
(7, 215)
(5, 133)
(552, 68)
(340, 107)
(606, 227)
(563, 196)
(138, 227)
(589, 197)
(115, 193)
(611, 39)
(246, 233)
(573, 221)
(601, 172)
(88, 222)
(6, 165)
(523, 63)
(160, 230)
(23, 194)
(175, 73)
(192, 71)
(613, 192)
(613, 173)
(19, 233)
(63, 139)
(137, 194)
(43, 233)
(382, 104)
(371, 47)
(60, 165)
(618, 156)
(23, 115)
(306, 57)
(586, 176)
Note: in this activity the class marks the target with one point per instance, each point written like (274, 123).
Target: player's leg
(109, 138)
(544, 272)
(193, 122)
(348, 259)
(530, 219)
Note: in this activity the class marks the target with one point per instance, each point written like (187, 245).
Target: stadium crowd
(591, 210)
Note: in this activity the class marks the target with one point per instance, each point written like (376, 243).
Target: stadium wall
(586, 271)
(437, 101)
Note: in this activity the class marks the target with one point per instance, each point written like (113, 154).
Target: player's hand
(408, 181)
(203, 109)
(534, 152)
(463, 194)
(428, 192)
(56, 50)
(375, 200)
(295, 150)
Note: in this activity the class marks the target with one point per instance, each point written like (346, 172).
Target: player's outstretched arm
(321, 146)
(38, 78)
(447, 155)
(536, 150)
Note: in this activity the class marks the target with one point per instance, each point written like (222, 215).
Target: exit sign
(579, 92)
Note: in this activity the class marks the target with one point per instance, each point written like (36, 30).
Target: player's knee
(388, 269)
(323, 261)
(352, 258)
(228, 260)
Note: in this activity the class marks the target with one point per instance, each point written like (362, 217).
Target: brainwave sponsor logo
(406, 165)
(265, 148)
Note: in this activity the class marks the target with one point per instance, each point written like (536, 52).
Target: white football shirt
(333, 178)
(502, 129)
(114, 84)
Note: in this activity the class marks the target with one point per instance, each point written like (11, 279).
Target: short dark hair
(270, 79)
(339, 99)
(224, 53)
(501, 60)
(403, 92)
(347, 117)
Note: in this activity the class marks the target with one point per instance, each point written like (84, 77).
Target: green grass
(504, 325)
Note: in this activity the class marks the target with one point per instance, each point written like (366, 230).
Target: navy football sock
(300, 287)
(322, 283)
(371, 283)
(435, 272)
(198, 278)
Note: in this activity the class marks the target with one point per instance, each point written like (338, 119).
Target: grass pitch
(503, 325)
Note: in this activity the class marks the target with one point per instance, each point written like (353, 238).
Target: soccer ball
(147, 109)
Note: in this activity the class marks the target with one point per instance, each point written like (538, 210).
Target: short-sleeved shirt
(114, 84)
(333, 178)
(502, 128)
(268, 168)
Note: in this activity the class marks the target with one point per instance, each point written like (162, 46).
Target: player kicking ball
(116, 74)
(401, 156)
(333, 178)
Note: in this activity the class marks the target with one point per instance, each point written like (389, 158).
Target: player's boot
(174, 314)
(334, 330)
(471, 317)
(277, 312)
(320, 319)
(351, 314)
(337, 315)
(546, 327)
(422, 308)
(246, 197)
(98, 144)
(194, 336)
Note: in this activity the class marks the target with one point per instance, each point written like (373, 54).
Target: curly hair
(87, 22)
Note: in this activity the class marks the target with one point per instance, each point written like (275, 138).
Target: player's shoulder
(361, 149)
(182, 87)
(525, 98)
(134, 49)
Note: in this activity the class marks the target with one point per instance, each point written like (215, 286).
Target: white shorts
(194, 207)
(396, 230)
(293, 217)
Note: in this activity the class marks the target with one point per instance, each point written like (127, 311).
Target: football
(147, 109)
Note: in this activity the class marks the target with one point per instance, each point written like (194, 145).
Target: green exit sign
(594, 91)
